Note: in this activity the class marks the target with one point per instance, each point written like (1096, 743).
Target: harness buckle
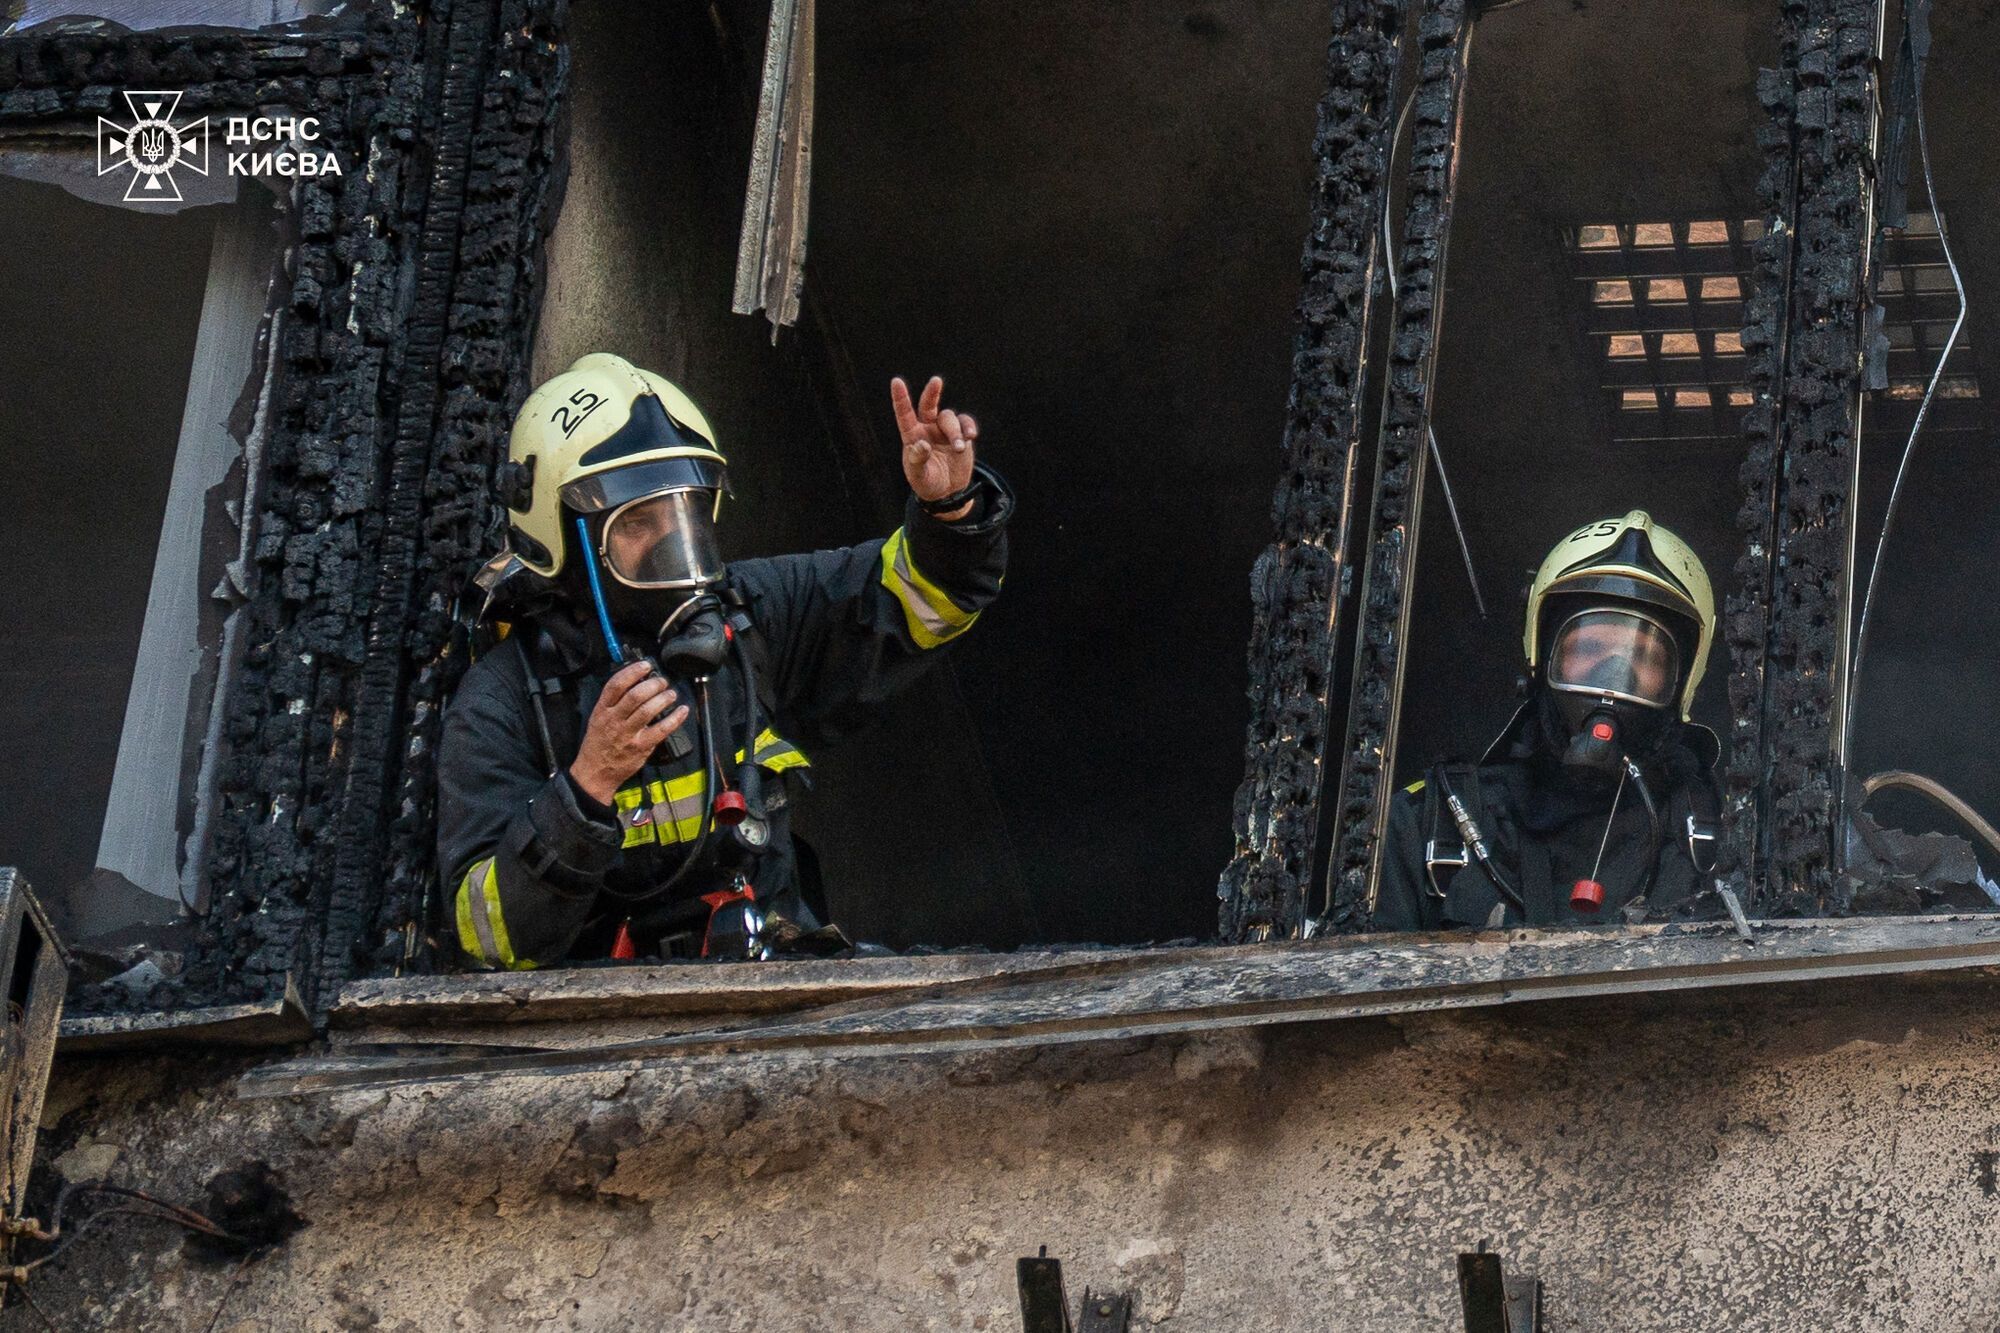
(1699, 831)
(1433, 858)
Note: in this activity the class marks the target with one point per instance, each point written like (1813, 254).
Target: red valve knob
(621, 944)
(730, 808)
(1586, 896)
(1603, 731)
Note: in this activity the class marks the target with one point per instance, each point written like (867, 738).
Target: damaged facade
(525, 180)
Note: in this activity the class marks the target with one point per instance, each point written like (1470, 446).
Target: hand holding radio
(635, 713)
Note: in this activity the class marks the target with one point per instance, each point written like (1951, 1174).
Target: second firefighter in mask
(616, 775)
(1599, 798)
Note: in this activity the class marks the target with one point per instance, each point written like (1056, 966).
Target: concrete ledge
(679, 990)
(1102, 997)
(279, 1022)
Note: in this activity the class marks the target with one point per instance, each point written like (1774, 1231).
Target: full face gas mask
(1612, 676)
(651, 561)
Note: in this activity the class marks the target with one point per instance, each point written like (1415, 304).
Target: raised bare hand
(938, 443)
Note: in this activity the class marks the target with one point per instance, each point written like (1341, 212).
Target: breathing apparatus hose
(749, 780)
(705, 724)
(1474, 841)
(710, 768)
(1937, 791)
(597, 594)
(1658, 834)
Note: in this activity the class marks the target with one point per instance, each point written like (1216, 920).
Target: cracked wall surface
(1815, 1156)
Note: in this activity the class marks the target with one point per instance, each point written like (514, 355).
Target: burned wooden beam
(1786, 628)
(1362, 804)
(1297, 583)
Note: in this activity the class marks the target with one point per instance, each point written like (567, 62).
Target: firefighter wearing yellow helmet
(616, 774)
(1599, 798)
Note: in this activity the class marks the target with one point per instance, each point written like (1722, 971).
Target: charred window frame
(412, 288)
(1311, 816)
(407, 280)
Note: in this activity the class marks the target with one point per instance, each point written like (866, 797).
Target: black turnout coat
(535, 871)
(1543, 830)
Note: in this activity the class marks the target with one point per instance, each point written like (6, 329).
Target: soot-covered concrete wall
(409, 298)
(1820, 1157)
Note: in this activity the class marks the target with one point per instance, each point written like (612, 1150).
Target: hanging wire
(149, 1207)
(1437, 456)
(1923, 408)
(47, 1322)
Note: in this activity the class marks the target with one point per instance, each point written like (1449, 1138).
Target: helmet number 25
(1600, 529)
(569, 419)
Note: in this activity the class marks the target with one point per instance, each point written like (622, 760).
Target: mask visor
(1617, 655)
(663, 541)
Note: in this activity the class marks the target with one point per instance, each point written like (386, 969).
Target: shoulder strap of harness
(555, 717)
(756, 644)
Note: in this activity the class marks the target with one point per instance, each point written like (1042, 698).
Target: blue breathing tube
(597, 593)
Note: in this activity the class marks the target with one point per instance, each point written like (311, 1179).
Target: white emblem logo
(151, 147)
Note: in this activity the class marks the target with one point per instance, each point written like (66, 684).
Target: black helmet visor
(1618, 654)
(608, 490)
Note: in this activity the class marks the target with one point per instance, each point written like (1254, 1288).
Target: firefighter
(617, 773)
(1599, 799)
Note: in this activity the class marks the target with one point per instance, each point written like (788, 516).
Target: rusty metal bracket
(34, 973)
(1045, 1306)
(1104, 1314)
(1494, 1302)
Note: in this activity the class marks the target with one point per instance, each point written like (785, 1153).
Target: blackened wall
(409, 304)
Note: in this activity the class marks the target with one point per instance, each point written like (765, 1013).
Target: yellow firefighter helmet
(595, 437)
(1630, 560)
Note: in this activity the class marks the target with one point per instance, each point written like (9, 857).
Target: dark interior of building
(1092, 230)
(1589, 360)
(1929, 699)
(1582, 373)
(99, 328)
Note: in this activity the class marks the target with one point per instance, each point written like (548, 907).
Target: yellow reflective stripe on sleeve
(928, 611)
(482, 930)
(1415, 787)
(776, 753)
